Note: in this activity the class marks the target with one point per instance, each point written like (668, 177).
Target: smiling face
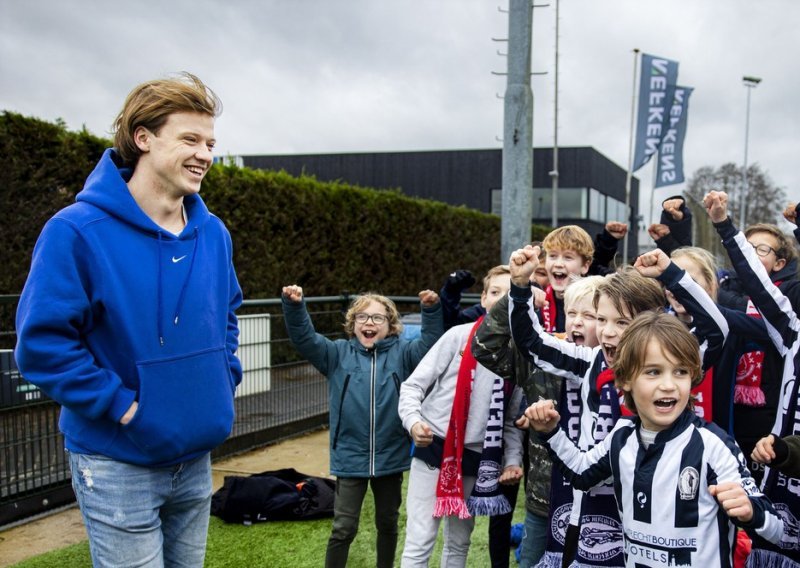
(609, 326)
(770, 260)
(175, 160)
(563, 267)
(369, 333)
(581, 322)
(661, 388)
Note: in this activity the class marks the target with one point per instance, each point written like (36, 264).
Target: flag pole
(653, 189)
(630, 157)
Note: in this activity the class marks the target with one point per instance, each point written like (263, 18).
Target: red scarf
(549, 310)
(607, 376)
(748, 373)
(701, 394)
(450, 485)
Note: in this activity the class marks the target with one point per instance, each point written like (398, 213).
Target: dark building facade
(591, 187)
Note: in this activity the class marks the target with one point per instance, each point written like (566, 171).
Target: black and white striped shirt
(779, 307)
(668, 515)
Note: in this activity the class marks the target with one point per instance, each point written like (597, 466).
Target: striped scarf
(486, 498)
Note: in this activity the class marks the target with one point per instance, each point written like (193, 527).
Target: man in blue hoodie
(127, 320)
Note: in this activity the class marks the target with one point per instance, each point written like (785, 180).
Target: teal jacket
(367, 438)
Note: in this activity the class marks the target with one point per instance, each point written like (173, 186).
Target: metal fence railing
(281, 395)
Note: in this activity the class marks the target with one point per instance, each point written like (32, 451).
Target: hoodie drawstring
(182, 296)
(188, 276)
(160, 296)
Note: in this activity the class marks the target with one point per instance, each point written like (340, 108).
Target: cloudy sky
(325, 76)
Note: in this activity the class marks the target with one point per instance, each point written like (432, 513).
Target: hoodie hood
(117, 310)
(106, 188)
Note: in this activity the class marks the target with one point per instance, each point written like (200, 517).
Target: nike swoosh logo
(180, 258)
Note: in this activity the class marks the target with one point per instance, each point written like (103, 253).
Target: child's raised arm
(427, 297)
(674, 229)
(776, 305)
(293, 293)
(710, 324)
(617, 229)
(605, 247)
(652, 264)
(551, 354)
(432, 328)
(318, 349)
(674, 207)
(523, 264)
(716, 204)
(450, 298)
(790, 213)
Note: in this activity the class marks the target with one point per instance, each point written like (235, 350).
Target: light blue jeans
(534, 540)
(140, 516)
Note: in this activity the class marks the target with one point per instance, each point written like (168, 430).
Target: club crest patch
(688, 483)
(560, 522)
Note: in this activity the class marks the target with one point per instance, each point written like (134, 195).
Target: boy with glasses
(368, 446)
(775, 251)
(779, 305)
(756, 389)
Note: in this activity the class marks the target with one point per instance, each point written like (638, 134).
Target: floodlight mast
(751, 83)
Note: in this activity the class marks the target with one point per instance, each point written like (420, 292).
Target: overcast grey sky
(320, 76)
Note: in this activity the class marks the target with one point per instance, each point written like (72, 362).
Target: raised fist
(617, 229)
(293, 293)
(790, 213)
(459, 280)
(673, 207)
(657, 231)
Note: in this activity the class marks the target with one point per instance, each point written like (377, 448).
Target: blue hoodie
(115, 309)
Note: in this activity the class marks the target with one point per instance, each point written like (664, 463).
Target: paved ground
(307, 453)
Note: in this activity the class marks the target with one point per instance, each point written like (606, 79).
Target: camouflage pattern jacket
(495, 350)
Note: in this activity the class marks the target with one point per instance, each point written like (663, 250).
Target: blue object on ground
(412, 326)
(517, 532)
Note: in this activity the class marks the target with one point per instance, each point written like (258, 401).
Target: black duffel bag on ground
(280, 495)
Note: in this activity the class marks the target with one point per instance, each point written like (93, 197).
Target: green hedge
(327, 237)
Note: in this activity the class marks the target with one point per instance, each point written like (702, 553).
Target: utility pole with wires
(517, 168)
(517, 182)
(554, 171)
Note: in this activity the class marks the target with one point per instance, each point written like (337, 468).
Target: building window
(497, 202)
(597, 206)
(616, 211)
(572, 203)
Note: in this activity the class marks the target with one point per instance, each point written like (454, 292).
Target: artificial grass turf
(298, 544)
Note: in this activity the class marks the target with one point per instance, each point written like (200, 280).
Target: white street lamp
(750, 83)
